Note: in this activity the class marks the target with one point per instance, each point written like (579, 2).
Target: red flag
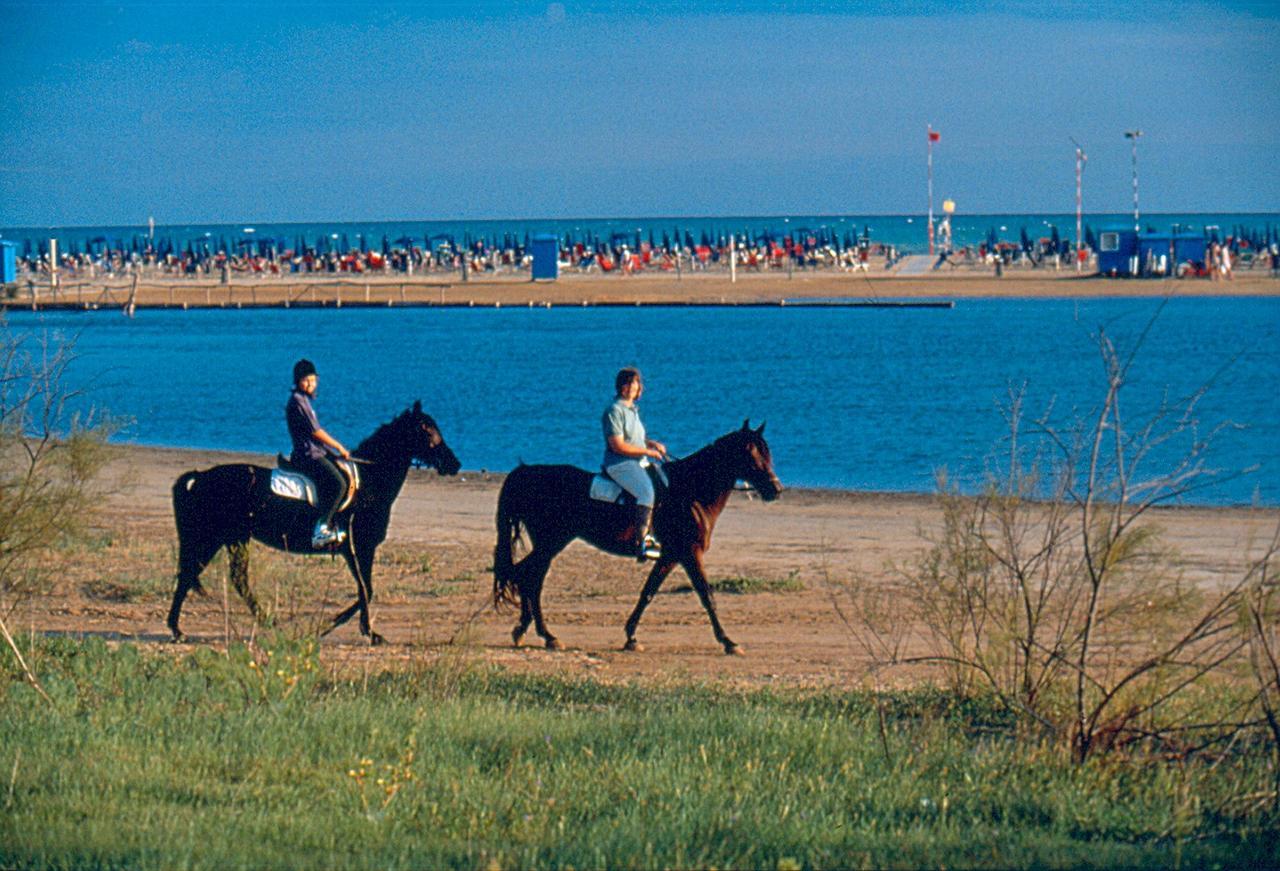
(934, 136)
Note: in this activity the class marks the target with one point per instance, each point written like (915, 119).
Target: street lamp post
(1133, 136)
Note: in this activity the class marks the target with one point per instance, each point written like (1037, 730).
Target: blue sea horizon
(855, 398)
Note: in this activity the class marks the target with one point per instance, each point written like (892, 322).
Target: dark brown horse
(227, 505)
(553, 506)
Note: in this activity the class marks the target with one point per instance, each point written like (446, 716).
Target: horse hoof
(633, 646)
(554, 644)
(516, 635)
(732, 649)
(178, 638)
(375, 639)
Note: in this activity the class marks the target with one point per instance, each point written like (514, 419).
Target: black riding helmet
(302, 369)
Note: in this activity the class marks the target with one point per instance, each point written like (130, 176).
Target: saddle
(605, 489)
(288, 483)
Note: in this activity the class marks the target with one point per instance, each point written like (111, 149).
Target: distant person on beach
(626, 445)
(313, 452)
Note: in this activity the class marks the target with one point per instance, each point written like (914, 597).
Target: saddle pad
(292, 485)
(605, 489)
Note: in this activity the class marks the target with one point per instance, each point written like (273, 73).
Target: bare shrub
(50, 458)
(1053, 589)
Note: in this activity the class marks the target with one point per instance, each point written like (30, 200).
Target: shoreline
(750, 289)
(792, 569)
(203, 458)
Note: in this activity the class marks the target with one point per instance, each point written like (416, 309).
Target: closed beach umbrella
(1026, 242)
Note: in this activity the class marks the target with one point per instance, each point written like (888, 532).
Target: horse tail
(183, 497)
(505, 587)
(184, 503)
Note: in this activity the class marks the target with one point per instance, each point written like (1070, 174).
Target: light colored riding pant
(632, 477)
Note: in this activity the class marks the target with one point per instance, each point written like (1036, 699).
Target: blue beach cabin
(1118, 252)
(1124, 253)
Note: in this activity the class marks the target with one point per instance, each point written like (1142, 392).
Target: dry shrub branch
(1053, 589)
(50, 457)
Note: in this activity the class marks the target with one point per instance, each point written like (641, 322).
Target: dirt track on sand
(433, 585)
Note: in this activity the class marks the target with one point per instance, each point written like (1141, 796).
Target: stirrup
(648, 550)
(324, 536)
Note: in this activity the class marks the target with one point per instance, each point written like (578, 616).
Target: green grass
(744, 584)
(150, 760)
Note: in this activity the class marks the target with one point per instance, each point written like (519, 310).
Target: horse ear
(760, 431)
(746, 424)
(417, 406)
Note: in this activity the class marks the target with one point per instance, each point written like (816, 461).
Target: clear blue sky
(238, 111)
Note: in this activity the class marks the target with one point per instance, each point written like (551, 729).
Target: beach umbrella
(1026, 242)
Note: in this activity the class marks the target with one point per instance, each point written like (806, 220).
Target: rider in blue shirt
(626, 444)
(313, 452)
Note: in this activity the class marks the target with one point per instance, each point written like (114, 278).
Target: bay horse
(553, 506)
(228, 505)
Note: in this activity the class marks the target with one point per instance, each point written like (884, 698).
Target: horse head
(752, 460)
(426, 444)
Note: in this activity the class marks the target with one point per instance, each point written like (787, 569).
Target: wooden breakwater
(127, 297)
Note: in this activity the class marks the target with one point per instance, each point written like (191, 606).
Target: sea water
(853, 398)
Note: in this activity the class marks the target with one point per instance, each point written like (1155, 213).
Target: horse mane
(704, 460)
(368, 447)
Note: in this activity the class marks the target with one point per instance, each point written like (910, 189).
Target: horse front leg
(661, 569)
(693, 568)
(361, 565)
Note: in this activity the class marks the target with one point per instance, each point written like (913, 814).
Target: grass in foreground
(260, 759)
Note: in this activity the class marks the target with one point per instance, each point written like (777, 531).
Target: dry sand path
(433, 583)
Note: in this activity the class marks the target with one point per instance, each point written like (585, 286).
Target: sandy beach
(750, 288)
(812, 552)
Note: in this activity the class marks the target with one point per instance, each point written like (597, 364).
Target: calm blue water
(906, 232)
(868, 399)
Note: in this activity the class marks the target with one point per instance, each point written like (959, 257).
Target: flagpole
(1081, 157)
(930, 139)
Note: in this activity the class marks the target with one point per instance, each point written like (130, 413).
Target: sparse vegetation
(50, 457)
(1053, 592)
(745, 584)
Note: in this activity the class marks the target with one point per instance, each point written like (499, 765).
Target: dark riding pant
(330, 483)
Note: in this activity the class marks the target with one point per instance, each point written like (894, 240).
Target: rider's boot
(646, 546)
(325, 536)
